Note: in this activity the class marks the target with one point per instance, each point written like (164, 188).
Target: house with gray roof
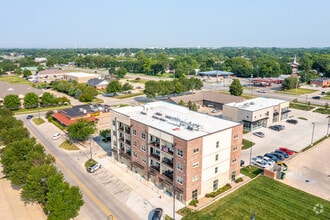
(98, 83)
(16, 89)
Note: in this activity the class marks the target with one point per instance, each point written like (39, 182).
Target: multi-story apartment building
(256, 113)
(176, 148)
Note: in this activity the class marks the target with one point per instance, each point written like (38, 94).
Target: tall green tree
(48, 99)
(290, 83)
(81, 130)
(151, 89)
(31, 100)
(114, 87)
(236, 88)
(12, 102)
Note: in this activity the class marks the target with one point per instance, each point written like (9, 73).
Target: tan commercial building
(176, 148)
(256, 113)
(80, 77)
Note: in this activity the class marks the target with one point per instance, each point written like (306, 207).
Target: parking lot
(310, 171)
(295, 136)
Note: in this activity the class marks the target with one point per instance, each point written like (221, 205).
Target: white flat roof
(81, 74)
(257, 103)
(176, 120)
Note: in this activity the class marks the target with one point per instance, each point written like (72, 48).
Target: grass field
(298, 91)
(300, 106)
(247, 144)
(15, 80)
(269, 199)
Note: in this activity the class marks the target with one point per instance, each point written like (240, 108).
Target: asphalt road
(98, 204)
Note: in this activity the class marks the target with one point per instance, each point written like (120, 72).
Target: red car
(286, 150)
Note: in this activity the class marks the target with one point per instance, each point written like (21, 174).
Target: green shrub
(193, 202)
(218, 192)
(238, 180)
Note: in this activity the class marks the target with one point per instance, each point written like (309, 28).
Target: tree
(31, 100)
(127, 86)
(78, 93)
(47, 99)
(236, 88)
(114, 87)
(12, 102)
(290, 83)
(192, 106)
(238, 65)
(182, 103)
(26, 73)
(121, 72)
(63, 201)
(12, 134)
(151, 89)
(81, 130)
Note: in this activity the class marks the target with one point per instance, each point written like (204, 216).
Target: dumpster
(282, 175)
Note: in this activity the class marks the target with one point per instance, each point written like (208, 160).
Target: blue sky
(164, 23)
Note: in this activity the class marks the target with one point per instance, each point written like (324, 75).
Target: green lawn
(300, 106)
(269, 199)
(247, 144)
(125, 96)
(251, 171)
(298, 91)
(15, 80)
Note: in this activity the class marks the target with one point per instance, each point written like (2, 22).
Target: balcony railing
(127, 131)
(121, 128)
(167, 149)
(155, 156)
(168, 162)
(128, 142)
(168, 174)
(154, 167)
(154, 143)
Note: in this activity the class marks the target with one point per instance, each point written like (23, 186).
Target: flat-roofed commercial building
(256, 113)
(80, 77)
(174, 147)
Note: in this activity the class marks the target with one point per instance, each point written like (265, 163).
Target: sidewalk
(140, 195)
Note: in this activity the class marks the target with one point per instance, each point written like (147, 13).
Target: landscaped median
(268, 199)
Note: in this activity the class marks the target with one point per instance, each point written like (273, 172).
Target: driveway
(295, 137)
(310, 171)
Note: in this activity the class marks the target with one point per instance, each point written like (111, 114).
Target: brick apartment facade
(176, 148)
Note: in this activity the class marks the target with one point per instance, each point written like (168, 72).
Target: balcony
(155, 156)
(121, 128)
(129, 152)
(128, 142)
(168, 174)
(121, 139)
(154, 168)
(155, 144)
(127, 130)
(168, 162)
(122, 149)
(167, 149)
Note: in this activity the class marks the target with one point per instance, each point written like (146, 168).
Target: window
(143, 148)
(217, 144)
(134, 143)
(235, 148)
(180, 167)
(236, 136)
(114, 122)
(144, 159)
(135, 154)
(179, 179)
(216, 157)
(234, 161)
(195, 178)
(114, 133)
(216, 170)
(196, 164)
(215, 185)
(196, 150)
(143, 135)
(180, 153)
(134, 132)
(194, 194)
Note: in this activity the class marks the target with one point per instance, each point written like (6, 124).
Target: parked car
(286, 150)
(322, 93)
(94, 167)
(29, 116)
(56, 136)
(273, 157)
(261, 164)
(259, 134)
(268, 160)
(158, 212)
(214, 111)
(316, 97)
(283, 153)
(278, 155)
(292, 121)
(277, 127)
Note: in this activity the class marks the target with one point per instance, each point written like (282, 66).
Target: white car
(268, 160)
(94, 167)
(56, 136)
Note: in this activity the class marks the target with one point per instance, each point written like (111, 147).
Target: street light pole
(328, 126)
(252, 83)
(90, 146)
(306, 103)
(312, 134)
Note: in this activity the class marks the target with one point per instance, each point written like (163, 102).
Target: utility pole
(312, 133)
(90, 146)
(328, 126)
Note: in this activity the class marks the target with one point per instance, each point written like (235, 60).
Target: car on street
(157, 215)
(259, 134)
(261, 91)
(283, 153)
(273, 157)
(316, 97)
(286, 150)
(56, 136)
(29, 116)
(277, 127)
(94, 167)
(292, 121)
(322, 93)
